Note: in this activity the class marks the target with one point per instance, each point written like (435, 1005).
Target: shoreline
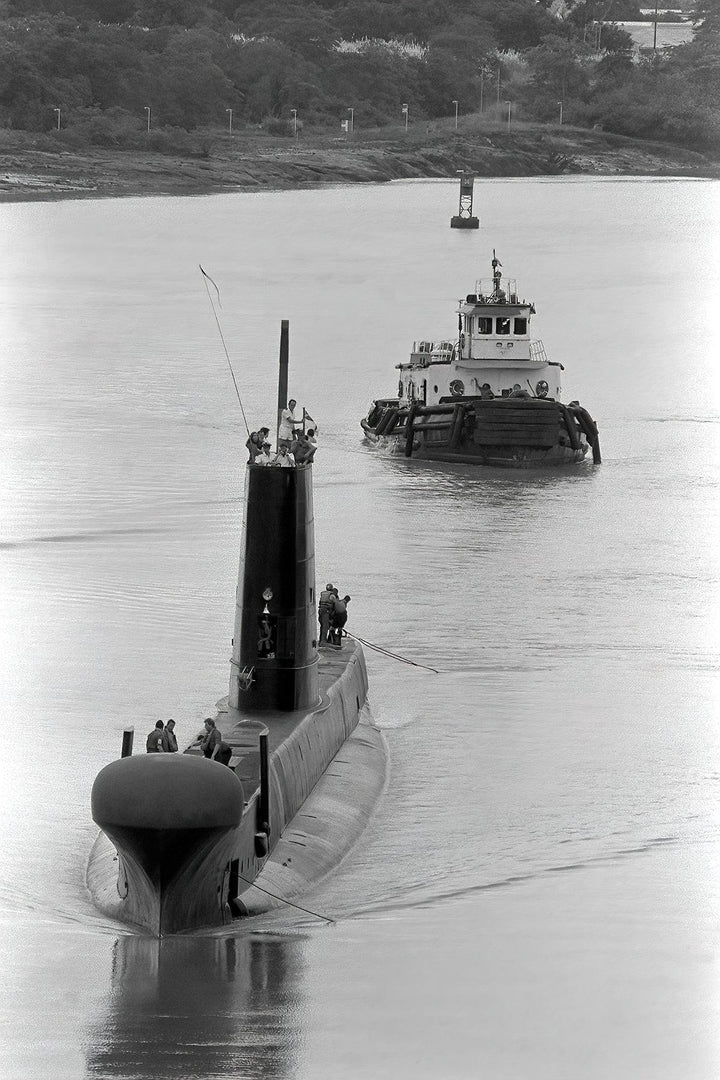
(44, 168)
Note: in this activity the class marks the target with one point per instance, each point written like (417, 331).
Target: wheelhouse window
(484, 325)
(502, 326)
(468, 324)
(521, 326)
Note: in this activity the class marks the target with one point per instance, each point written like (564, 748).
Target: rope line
(282, 900)
(392, 655)
(206, 278)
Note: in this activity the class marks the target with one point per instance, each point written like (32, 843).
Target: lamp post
(456, 112)
(509, 105)
(294, 116)
(57, 110)
(561, 111)
(655, 28)
(352, 120)
(229, 112)
(405, 111)
(147, 110)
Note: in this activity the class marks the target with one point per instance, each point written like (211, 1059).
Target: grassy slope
(49, 167)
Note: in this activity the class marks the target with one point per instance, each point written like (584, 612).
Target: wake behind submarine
(184, 839)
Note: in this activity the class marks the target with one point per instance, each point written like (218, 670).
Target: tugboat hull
(509, 432)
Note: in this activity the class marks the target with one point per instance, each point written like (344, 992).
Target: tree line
(100, 69)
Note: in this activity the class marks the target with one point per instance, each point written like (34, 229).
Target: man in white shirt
(284, 458)
(286, 431)
(265, 457)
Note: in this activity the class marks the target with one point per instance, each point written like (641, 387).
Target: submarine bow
(167, 815)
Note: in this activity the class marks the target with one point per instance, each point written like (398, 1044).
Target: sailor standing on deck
(154, 743)
(169, 741)
(325, 606)
(286, 430)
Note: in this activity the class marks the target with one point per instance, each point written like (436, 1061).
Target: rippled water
(537, 894)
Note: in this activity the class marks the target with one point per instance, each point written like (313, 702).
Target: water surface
(537, 894)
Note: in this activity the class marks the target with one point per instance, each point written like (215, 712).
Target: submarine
(188, 843)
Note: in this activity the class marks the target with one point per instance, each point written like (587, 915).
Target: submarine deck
(243, 739)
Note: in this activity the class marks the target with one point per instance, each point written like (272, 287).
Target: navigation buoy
(464, 218)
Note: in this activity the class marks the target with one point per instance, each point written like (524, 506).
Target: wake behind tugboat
(491, 397)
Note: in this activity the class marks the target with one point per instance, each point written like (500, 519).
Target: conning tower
(275, 660)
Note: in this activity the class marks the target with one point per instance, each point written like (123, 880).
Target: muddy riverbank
(48, 166)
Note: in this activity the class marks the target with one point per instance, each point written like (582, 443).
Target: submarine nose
(166, 814)
(166, 791)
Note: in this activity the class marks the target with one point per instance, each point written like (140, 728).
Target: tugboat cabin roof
(491, 295)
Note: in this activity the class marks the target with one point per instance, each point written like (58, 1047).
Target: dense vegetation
(109, 66)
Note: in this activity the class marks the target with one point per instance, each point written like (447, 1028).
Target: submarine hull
(183, 837)
(186, 839)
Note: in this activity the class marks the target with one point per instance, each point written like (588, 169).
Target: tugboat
(187, 841)
(491, 397)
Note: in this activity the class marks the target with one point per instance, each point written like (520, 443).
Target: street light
(655, 28)
(352, 120)
(405, 112)
(57, 110)
(294, 116)
(456, 112)
(509, 105)
(147, 110)
(229, 111)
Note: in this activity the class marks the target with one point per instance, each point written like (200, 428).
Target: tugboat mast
(498, 293)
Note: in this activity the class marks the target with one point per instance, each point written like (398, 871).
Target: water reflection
(199, 1007)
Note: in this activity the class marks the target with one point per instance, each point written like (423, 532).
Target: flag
(307, 416)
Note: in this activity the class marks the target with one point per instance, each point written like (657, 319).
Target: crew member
(517, 391)
(254, 445)
(284, 458)
(154, 744)
(211, 740)
(169, 741)
(325, 606)
(286, 431)
(339, 618)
